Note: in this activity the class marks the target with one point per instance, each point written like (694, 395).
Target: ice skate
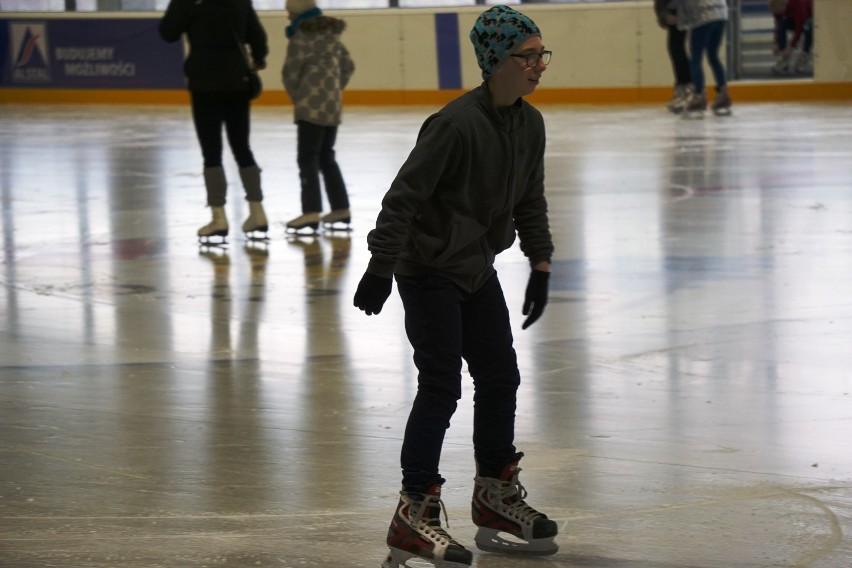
(416, 534)
(696, 106)
(256, 227)
(215, 232)
(804, 64)
(305, 223)
(506, 523)
(337, 220)
(722, 103)
(681, 97)
(782, 66)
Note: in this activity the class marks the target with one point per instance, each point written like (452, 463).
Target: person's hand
(775, 49)
(371, 293)
(671, 19)
(536, 296)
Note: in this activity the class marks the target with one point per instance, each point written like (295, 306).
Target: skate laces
(509, 497)
(430, 526)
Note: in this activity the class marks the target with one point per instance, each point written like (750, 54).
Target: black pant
(445, 324)
(209, 111)
(678, 56)
(315, 147)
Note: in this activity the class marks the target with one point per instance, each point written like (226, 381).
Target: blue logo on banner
(29, 53)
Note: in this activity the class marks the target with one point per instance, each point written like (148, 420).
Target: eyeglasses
(532, 59)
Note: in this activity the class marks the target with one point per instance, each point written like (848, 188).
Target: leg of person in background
(680, 66)
(335, 187)
(697, 45)
(207, 116)
(238, 127)
(782, 66)
(805, 61)
(309, 143)
(722, 102)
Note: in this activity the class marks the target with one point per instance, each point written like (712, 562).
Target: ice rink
(686, 399)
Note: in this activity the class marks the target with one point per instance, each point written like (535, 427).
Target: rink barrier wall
(423, 56)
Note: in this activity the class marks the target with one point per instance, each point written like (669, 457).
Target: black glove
(536, 296)
(371, 293)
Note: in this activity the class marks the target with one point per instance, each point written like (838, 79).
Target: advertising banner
(93, 54)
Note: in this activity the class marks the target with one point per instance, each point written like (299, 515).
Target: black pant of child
(445, 324)
(315, 154)
(212, 109)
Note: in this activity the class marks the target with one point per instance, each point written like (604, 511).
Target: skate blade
(492, 540)
(693, 114)
(338, 227)
(722, 112)
(400, 559)
(208, 241)
(310, 229)
(257, 235)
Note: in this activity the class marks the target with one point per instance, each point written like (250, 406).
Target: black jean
(315, 147)
(210, 110)
(445, 325)
(678, 56)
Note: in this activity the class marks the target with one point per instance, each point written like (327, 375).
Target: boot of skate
(680, 98)
(342, 216)
(722, 103)
(217, 227)
(782, 66)
(498, 507)
(216, 186)
(256, 221)
(304, 221)
(696, 106)
(415, 532)
(804, 64)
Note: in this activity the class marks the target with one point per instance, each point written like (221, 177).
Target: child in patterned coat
(316, 70)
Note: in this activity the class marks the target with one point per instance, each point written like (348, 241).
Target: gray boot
(250, 177)
(256, 220)
(217, 188)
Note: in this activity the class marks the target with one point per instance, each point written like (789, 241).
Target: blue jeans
(445, 325)
(315, 155)
(707, 38)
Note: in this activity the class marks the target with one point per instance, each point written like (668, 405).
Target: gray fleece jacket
(474, 178)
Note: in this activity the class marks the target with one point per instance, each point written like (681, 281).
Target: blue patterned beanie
(496, 33)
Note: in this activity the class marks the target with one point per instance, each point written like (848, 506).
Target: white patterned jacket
(692, 14)
(316, 69)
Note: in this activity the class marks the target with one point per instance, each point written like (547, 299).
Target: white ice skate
(677, 104)
(305, 224)
(337, 220)
(214, 233)
(507, 524)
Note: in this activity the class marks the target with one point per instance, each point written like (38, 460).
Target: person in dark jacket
(316, 70)
(217, 70)
(474, 179)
